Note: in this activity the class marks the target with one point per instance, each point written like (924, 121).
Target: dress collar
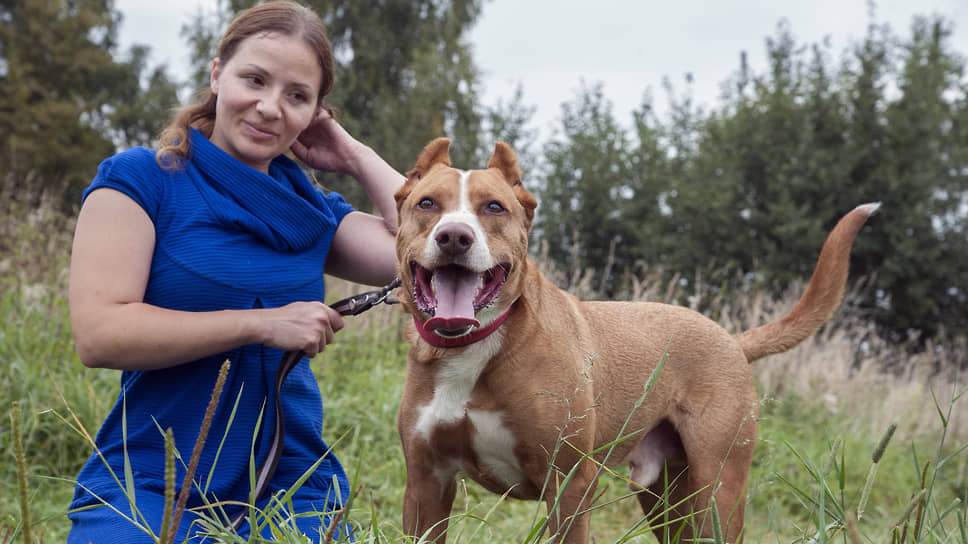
(282, 208)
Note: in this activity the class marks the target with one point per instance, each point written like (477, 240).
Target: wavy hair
(282, 17)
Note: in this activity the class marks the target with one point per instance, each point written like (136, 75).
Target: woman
(213, 248)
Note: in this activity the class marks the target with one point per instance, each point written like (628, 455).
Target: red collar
(474, 336)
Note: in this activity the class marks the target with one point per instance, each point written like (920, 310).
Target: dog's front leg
(427, 502)
(568, 508)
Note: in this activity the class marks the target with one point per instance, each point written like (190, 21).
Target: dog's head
(463, 238)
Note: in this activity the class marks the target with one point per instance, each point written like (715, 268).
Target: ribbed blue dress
(226, 237)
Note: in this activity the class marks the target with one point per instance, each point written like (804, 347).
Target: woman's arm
(113, 328)
(364, 246)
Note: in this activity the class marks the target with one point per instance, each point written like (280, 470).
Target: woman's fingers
(306, 326)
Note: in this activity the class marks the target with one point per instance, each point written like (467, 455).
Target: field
(825, 408)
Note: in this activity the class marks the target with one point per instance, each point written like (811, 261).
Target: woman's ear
(215, 74)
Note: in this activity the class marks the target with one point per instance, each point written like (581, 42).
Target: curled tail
(819, 300)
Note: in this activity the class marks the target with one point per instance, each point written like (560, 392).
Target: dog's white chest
(494, 445)
(491, 440)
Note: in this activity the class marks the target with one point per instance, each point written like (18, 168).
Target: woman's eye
(494, 207)
(426, 204)
(253, 80)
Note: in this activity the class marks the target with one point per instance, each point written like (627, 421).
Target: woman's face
(266, 95)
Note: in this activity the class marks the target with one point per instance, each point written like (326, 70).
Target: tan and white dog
(517, 384)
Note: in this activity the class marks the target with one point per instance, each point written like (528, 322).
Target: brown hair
(282, 17)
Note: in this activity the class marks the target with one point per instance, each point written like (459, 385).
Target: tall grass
(825, 407)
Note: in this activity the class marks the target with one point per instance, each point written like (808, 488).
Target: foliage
(754, 186)
(586, 187)
(749, 187)
(65, 101)
(405, 73)
(53, 56)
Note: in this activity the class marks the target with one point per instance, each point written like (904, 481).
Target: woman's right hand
(304, 326)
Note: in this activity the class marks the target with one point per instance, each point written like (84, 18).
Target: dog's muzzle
(452, 295)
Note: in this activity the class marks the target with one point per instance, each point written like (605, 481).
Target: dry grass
(35, 240)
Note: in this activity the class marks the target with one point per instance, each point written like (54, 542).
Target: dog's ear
(436, 152)
(506, 162)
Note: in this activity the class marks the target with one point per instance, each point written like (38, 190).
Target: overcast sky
(551, 46)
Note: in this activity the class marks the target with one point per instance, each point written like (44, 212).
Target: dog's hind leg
(719, 466)
(657, 466)
(674, 491)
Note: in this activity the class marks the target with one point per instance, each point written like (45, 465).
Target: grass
(825, 408)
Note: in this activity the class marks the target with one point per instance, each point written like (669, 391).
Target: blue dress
(226, 237)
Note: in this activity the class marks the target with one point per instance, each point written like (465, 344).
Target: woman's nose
(268, 106)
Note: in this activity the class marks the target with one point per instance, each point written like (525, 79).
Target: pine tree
(66, 103)
(53, 57)
(405, 76)
(586, 187)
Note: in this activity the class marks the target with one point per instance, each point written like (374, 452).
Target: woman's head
(287, 19)
(284, 21)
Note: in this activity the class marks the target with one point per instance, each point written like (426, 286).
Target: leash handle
(354, 305)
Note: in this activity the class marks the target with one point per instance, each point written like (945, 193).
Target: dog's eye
(494, 207)
(426, 203)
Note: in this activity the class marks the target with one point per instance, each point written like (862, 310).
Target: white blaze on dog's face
(462, 237)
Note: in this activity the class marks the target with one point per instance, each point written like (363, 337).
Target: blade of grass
(18, 447)
(199, 446)
(169, 485)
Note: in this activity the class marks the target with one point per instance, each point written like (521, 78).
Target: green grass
(825, 407)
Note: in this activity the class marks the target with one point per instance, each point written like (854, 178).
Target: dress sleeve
(135, 173)
(335, 201)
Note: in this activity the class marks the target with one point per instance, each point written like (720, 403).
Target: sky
(550, 47)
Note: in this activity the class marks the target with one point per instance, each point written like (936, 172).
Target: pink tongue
(455, 289)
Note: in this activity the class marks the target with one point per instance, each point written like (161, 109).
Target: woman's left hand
(327, 146)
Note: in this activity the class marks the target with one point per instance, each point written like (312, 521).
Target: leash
(354, 305)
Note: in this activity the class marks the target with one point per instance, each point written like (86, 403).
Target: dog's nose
(455, 238)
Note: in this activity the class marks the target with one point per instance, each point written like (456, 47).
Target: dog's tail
(821, 297)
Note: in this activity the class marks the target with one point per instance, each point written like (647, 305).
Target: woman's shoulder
(136, 173)
(137, 161)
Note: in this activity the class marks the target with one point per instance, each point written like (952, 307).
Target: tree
(65, 102)
(139, 103)
(53, 56)
(751, 189)
(925, 279)
(510, 122)
(586, 188)
(405, 76)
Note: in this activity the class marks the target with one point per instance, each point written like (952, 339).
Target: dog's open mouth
(452, 295)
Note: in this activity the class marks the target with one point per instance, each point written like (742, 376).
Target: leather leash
(354, 305)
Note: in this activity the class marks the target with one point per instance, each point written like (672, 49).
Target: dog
(529, 391)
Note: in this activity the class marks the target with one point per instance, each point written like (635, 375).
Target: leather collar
(460, 341)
